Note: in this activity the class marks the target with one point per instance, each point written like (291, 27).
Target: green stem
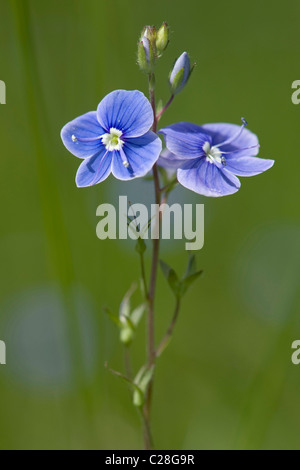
(166, 339)
(166, 189)
(158, 117)
(143, 273)
(152, 288)
(148, 441)
(127, 361)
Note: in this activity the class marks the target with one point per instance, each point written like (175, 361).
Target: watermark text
(2, 92)
(2, 353)
(161, 221)
(296, 353)
(296, 94)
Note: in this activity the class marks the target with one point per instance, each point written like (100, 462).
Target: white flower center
(213, 154)
(113, 141)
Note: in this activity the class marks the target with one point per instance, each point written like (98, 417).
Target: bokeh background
(226, 381)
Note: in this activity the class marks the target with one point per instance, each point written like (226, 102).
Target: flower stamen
(241, 150)
(124, 159)
(86, 139)
(112, 140)
(214, 155)
(236, 136)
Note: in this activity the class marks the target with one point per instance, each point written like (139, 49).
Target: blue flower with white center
(209, 158)
(114, 139)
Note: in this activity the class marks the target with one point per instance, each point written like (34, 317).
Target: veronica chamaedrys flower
(180, 74)
(114, 139)
(209, 158)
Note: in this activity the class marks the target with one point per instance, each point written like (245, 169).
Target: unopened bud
(126, 336)
(138, 398)
(162, 39)
(150, 33)
(146, 50)
(180, 74)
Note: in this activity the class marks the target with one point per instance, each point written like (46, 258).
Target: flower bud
(146, 50)
(162, 39)
(127, 335)
(180, 74)
(150, 33)
(138, 398)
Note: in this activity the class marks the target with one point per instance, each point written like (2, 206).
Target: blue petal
(141, 153)
(146, 45)
(185, 140)
(127, 111)
(94, 169)
(205, 178)
(246, 145)
(83, 127)
(248, 166)
(169, 160)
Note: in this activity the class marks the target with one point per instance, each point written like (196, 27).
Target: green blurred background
(226, 381)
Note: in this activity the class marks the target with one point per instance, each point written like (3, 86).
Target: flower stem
(148, 441)
(127, 362)
(165, 108)
(143, 274)
(166, 189)
(152, 287)
(166, 339)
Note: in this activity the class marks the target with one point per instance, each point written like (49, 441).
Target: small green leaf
(160, 106)
(137, 314)
(164, 175)
(142, 382)
(124, 311)
(114, 318)
(192, 266)
(146, 379)
(124, 379)
(188, 281)
(139, 375)
(127, 331)
(171, 278)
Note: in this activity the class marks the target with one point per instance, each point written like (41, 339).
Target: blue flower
(209, 158)
(115, 138)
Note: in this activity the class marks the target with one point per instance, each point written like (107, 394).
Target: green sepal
(177, 82)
